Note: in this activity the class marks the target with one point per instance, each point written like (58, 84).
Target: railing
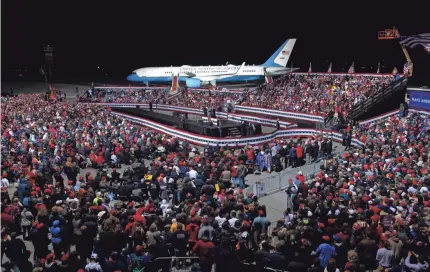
(192, 264)
(279, 181)
(175, 263)
(380, 96)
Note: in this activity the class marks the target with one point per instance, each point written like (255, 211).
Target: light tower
(393, 34)
(49, 63)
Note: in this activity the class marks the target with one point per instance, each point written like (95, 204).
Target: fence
(279, 181)
(192, 264)
(176, 264)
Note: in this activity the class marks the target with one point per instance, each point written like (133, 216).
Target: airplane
(196, 76)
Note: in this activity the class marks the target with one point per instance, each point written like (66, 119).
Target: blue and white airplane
(196, 76)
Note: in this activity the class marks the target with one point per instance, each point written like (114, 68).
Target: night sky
(125, 36)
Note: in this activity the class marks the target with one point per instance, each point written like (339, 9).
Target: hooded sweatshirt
(396, 246)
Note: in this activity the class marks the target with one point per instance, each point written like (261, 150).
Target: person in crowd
(348, 212)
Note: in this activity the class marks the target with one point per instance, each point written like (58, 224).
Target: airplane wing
(240, 68)
(233, 73)
(190, 74)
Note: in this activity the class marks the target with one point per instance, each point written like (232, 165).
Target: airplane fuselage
(194, 76)
(206, 74)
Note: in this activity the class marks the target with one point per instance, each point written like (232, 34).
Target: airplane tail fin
(282, 55)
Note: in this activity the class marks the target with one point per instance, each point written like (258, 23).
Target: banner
(419, 100)
(202, 140)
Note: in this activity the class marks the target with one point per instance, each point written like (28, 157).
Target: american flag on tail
(310, 67)
(412, 41)
(406, 69)
(379, 64)
(329, 69)
(351, 69)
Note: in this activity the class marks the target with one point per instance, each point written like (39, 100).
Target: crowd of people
(124, 95)
(315, 94)
(206, 99)
(367, 209)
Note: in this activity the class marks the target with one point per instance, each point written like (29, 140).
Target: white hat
(300, 173)
(94, 256)
(59, 202)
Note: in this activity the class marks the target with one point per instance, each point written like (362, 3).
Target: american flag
(379, 64)
(310, 67)
(329, 69)
(412, 41)
(351, 69)
(406, 69)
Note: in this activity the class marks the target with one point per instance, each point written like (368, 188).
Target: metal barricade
(277, 181)
(176, 264)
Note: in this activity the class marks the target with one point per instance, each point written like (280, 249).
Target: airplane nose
(134, 77)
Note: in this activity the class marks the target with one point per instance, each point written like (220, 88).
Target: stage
(226, 129)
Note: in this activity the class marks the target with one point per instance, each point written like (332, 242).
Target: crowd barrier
(242, 141)
(389, 114)
(278, 182)
(230, 116)
(193, 264)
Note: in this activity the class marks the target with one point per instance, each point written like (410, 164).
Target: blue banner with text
(419, 100)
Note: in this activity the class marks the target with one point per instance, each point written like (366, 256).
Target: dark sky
(127, 35)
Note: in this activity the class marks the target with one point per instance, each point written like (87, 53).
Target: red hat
(326, 238)
(331, 220)
(321, 225)
(261, 212)
(130, 204)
